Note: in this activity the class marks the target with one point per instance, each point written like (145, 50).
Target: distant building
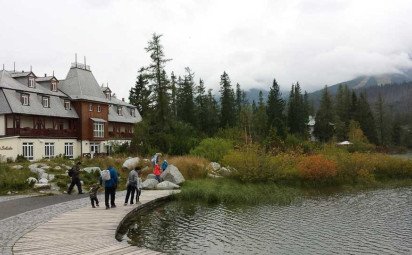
(311, 128)
(43, 117)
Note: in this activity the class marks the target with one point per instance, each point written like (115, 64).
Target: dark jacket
(75, 171)
(93, 190)
(113, 178)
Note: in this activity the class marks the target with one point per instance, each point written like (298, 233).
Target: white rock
(214, 166)
(91, 169)
(31, 180)
(57, 168)
(224, 171)
(18, 167)
(165, 185)
(149, 184)
(213, 176)
(43, 181)
(151, 176)
(9, 193)
(131, 163)
(172, 174)
(43, 176)
(44, 166)
(51, 177)
(42, 186)
(32, 166)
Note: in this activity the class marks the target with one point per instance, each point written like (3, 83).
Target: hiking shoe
(113, 206)
(107, 208)
(93, 206)
(125, 204)
(97, 205)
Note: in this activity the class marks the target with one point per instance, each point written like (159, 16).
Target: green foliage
(213, 148)
(297, 112)
(227, 102)
(325, 120)
(191, 167)
(223, 190)
(21, 159)
(274, 110)
(13, 179)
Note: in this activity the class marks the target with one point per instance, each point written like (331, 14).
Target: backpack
(132, 179)
(106, 175)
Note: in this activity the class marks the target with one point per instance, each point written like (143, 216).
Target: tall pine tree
(324, 119)
(227, 102)
(275, 109)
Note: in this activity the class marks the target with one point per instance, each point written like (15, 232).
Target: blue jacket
(113, 178)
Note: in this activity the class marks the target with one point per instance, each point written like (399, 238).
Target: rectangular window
(25, 99)
(31, 82)
(48, 150)
(54, 86)
(90, 107)
(94, 148)
(99, 108)
(98, 129)
(67, 105)
(46, 102)
(28, 151)
(68, 150)
(132, 112)
(119, 110)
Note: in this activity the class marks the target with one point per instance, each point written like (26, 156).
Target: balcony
(30, 132)
(120, 135)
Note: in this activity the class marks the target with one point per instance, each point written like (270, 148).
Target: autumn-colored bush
(191, 167)
(317, 167)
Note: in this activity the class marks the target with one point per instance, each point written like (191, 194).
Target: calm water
(375, 222)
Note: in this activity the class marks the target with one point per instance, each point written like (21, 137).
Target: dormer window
(54, 86)
(31, 82)
(119, 110)
(25, 99)
(99, 108)
(90, 107)
(67, 105)
(46, 102)
(132, 112)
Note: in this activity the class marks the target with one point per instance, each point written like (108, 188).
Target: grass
(13, 180)
(225, 190)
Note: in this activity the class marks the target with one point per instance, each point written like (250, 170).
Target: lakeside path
(85, 230)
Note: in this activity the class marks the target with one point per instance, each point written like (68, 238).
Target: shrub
(21, 159)
(12, 179)
(213, 148)
(317, 167)
(191, 167)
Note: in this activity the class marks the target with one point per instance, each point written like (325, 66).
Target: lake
(371, 222)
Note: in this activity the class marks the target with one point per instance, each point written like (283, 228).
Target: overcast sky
(315, 42)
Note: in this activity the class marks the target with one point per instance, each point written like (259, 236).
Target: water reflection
(376, 222)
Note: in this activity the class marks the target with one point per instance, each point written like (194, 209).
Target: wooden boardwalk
(85, 231)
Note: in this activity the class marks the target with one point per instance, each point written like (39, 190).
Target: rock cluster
(171, 177)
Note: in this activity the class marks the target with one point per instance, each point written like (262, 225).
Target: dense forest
(178, 112)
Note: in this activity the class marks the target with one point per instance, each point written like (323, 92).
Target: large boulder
(38, 171)
(225, 171)
(172, 174)
(149, 184)
(151, 176)
(214, 166)
(92, 169)
(131, 163)
(166, 185)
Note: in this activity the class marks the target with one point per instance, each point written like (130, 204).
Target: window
(46, 102)
(25, 99)
(99, 108)
(108, 96)
(67, 105)
(31, 82)
(132, 112)
(54, 85)
(98, 129)
(48, 150)
(68, 150)
(28, 151)
(90, 107)
(119, 110)
(94, 148)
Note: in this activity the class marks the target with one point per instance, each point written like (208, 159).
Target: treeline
(178, 112)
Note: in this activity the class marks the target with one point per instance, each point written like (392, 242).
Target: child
(93, 194)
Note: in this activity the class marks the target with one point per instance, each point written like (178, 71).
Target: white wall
(2, 125)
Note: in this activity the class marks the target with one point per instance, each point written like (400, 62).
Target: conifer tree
(324, 119)
(238, 106)
(212, 119)
(383, 121)
(139, 95)
(275, 109)
(364, 116)
(297, 119)
(260, 119)
(343, 112)
(185, 98)
(227, 102)
(173, 96)
(201, 107)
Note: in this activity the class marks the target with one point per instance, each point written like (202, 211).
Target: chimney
(123, 99)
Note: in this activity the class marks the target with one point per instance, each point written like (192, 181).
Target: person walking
(110, 186)
(74, 173)
(93, 194)
(131, 186)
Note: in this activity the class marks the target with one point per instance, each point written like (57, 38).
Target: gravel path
(12, 228)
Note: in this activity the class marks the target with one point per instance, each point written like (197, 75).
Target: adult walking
(110, 186)
(131, 185)
(74, 173)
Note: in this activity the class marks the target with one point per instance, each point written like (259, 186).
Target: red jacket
(156, 170)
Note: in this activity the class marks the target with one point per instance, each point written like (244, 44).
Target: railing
(40, 132)
(81, 66)
(120, 135)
